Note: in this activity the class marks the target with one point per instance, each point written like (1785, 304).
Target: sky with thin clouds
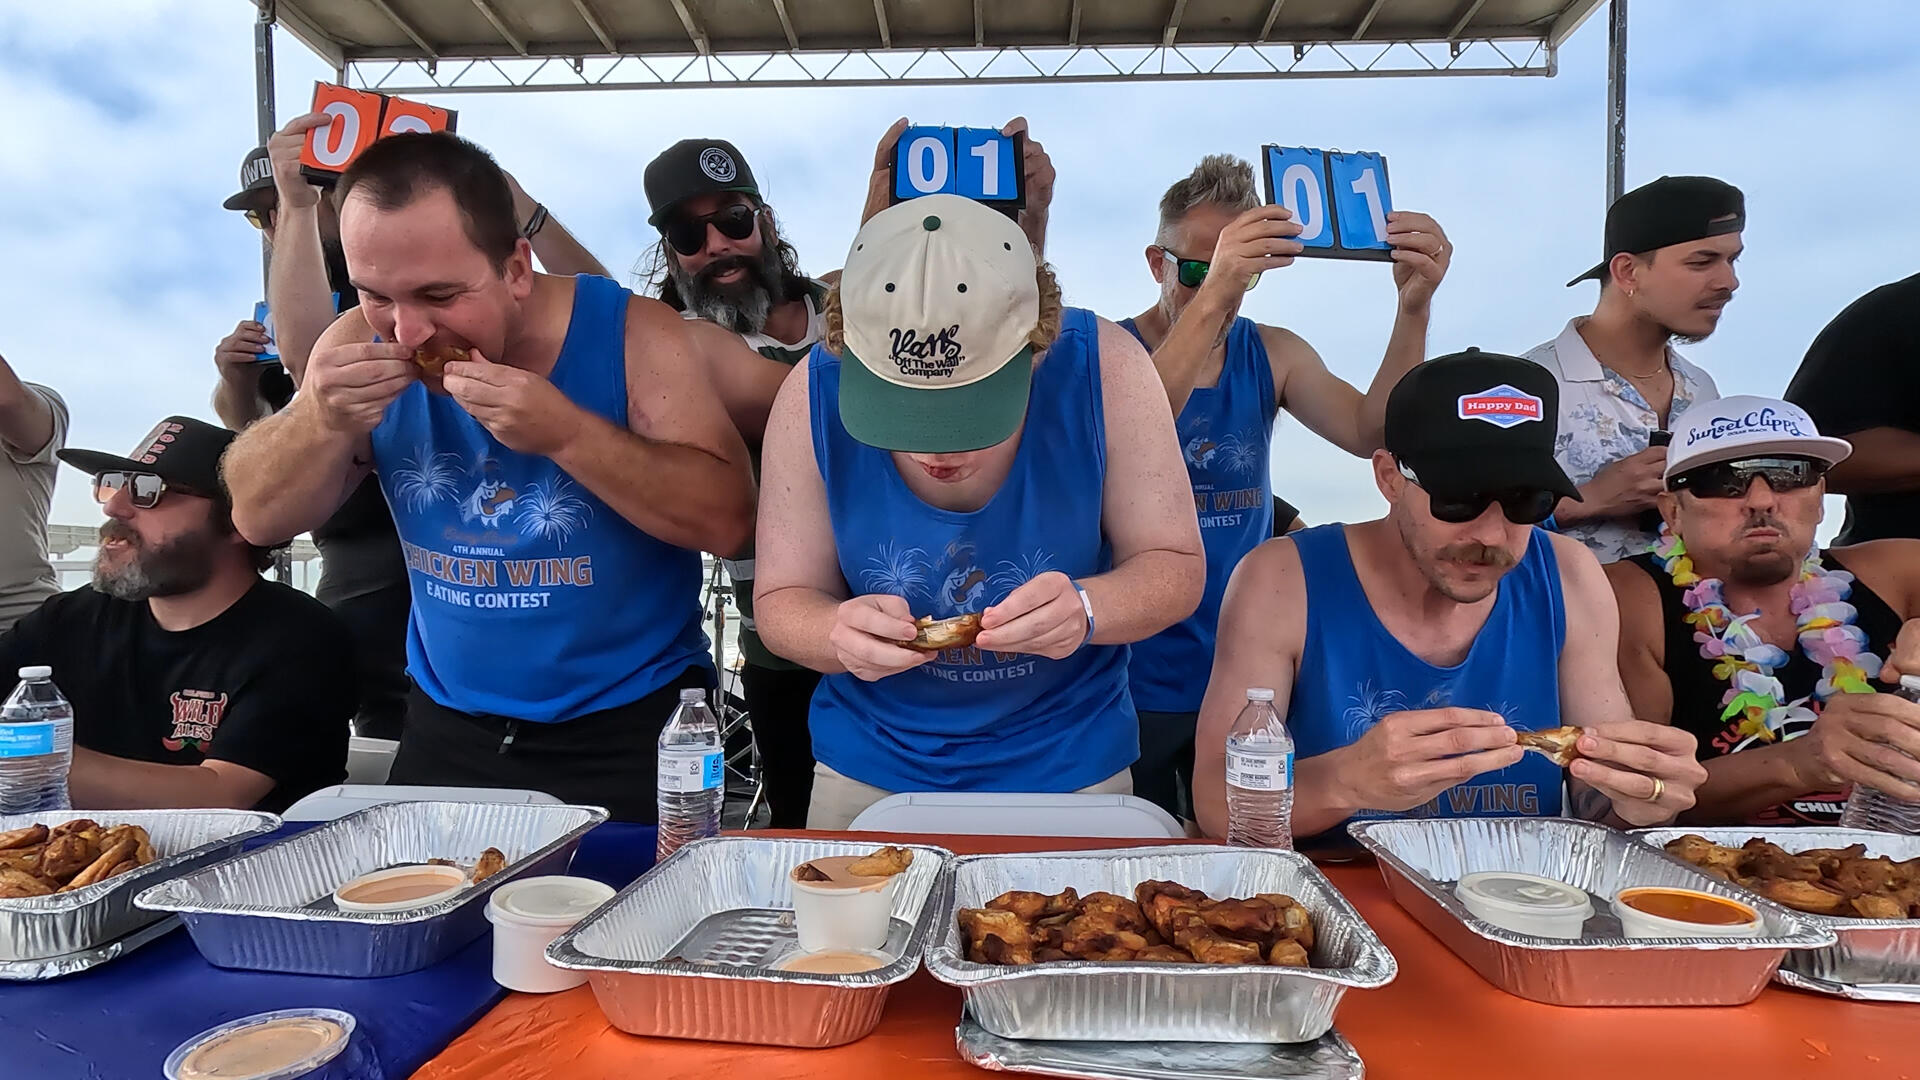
(126, 123)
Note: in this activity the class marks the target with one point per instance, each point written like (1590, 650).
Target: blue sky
(128, 121)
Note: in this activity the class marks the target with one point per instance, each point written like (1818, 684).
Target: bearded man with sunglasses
(1739, 630)
(1226, 378)
(1409, 653)
(194, 682)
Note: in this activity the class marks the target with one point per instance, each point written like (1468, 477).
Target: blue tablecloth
(121, 1020)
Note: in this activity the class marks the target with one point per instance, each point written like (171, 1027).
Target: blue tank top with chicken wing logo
(533, 599)
(972, 719)
(1226, 431)
(1355, 673)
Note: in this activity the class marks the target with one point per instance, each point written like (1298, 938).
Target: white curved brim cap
(1745, 426)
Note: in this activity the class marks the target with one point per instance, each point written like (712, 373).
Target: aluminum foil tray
(1154, 1002)
(1422, 859)
(55, 967)
(1330, 1057)
(681, 953)
(1877, 959)
(272, 909)
(89, 919)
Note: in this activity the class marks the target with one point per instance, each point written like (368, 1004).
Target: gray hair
(1221, 180)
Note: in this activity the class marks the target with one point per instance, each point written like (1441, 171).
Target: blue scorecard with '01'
(1297, 179)
(1361, 201)
(975, 163)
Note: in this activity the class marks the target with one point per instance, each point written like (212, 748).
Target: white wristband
(1087, 606)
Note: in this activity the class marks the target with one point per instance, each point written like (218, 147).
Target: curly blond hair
(1042, 335)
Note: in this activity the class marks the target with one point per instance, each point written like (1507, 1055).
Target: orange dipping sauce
(1684, 905)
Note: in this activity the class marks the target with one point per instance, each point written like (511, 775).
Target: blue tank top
(1353, 673)
(975, 720)
(1226, 432)
(533, 599)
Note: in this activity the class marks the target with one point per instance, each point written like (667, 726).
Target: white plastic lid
(1910, 683)
(1508, 891)
(555, 900)
(37, 671)
(692, 695)
(1259, 693)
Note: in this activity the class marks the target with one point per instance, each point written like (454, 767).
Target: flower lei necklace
(1823, 624)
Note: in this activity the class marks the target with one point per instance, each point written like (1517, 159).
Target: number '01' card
(1341, 200)
(981, 164)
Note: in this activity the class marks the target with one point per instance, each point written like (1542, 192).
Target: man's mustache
(1763, 520)
(725, 263)
(1477, 555)
(119, 530)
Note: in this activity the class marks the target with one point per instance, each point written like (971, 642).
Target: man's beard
(178, 566)
(1767, 567)
(743, 306)
(1475, 554)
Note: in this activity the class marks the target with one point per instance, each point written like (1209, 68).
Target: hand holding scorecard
(1340, 200)
(981, 164)
(359, 118)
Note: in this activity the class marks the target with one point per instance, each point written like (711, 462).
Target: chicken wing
(143, 852)
(1210, 948)
(1248, 920)
(491, 862)
(885, 862)
(1033, 906)
(1878, 907)
(1802, 896)
(996, 937)
(31, 836)
(18, 884)
(97, 870)
(77, 825)
(1165, 954)
(1287, 953)
(68, 854)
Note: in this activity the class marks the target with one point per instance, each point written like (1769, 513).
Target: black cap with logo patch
(256, 182)
(1671, 210)
(695, 167)
(1475, 422)
(180, 450)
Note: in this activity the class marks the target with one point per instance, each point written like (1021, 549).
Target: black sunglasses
(143, 488)
(1731, 479)
(260, 218)
(1191, 272)
(1523, 506)
(689, 234)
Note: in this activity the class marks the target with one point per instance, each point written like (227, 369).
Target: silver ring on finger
(1659, 789)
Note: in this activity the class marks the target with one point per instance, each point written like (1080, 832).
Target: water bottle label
(1259, 772)
(687, 774)
(25, 740)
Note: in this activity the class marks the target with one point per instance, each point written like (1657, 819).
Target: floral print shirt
(1604, 419)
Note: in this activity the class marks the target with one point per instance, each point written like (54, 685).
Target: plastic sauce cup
(288, 1044)
(453, 877)
(1525, 903)
(835, 917)
(527, 915)
(1641, 923)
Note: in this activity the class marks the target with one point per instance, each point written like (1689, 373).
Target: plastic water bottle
(692, 774)
(1260, 776)
(1871, 809)
(36, 745)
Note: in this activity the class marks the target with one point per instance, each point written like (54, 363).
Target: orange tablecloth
(1437, 1019)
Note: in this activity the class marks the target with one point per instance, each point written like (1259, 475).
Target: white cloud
(128, 122)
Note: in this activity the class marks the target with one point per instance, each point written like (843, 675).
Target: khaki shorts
(838, 799)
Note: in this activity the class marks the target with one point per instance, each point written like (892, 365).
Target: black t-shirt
(267, 684)
(1863, 371)
(1697, 692)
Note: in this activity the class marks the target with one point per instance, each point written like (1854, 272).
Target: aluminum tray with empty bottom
(272, 909)
(1873, 959)
(685, 952)
(88, 920)
(1422, 860)
(1158, 1002)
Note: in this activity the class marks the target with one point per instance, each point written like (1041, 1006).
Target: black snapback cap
(1670, 210)
(1474, 422)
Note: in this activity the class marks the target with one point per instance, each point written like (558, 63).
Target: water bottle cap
(693, 696)
(1910, 683)
(1259, 693)
(37, 671)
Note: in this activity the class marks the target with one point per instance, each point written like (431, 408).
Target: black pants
(607, 758)
(779, 701)
(1164, 773)
(378, 623)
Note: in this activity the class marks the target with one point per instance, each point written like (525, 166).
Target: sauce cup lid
(551, 900)
(1506, 890)
(289, 1069)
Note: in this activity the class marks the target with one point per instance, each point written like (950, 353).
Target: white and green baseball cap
(939, 298)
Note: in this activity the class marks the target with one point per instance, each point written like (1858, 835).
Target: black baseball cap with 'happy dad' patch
(1475, 422)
